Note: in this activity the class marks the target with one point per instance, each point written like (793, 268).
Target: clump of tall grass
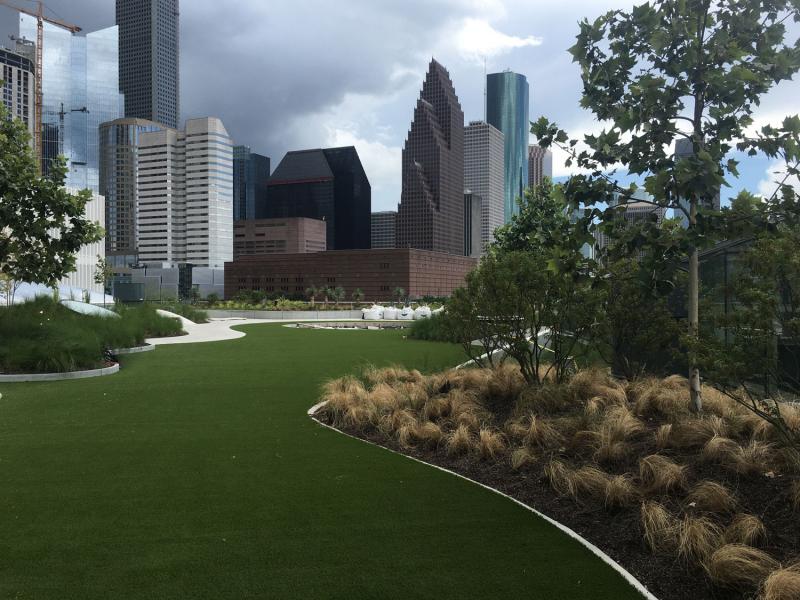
(660, 474)
(698, 537)
(735, 565)
(712, 497)
(660, 527)
(782, 584)
(745, 529)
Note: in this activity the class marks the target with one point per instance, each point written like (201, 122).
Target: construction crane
(40, 21)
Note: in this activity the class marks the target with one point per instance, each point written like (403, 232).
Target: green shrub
(434, 329)
(42, 336)
(188, 311)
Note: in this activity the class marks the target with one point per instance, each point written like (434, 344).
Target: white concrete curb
(635, 583)
(24, 378)
(133, 350)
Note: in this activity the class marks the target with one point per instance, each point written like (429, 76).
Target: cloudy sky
(292, 74)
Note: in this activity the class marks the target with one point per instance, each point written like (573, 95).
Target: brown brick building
(376, 272)
(271, 236)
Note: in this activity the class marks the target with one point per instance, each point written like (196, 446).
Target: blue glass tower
(507, 109)
(80, 90)
(250, 180)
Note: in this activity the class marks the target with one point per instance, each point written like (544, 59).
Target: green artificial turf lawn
(196, 473)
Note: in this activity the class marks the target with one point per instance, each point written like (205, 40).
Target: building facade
(377, 273)
(80, 90)
(250, 181)
(86, 258)
(295, 235)
(473, 214)
(484, 176)
(507, 109)
(185, 195)
(431, 211)
(384, 229)
(119, 149)
(19, 82)
(149, 59)
(684, 148)
(328, 184)
(540, 165)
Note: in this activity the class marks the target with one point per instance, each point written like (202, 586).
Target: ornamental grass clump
(660, 474)
(720, 450)
(746, 529)
(696, 432)
(522, 458)
(491, 444)
(782, 584)
(698, 537)
(589, 482)
(660, 527)
(620, 492)
(560, 477)
(460, 441)
(711, 497)
(737, 565)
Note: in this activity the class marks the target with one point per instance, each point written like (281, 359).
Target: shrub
(188, 311)
(735, 565)
(436, 328)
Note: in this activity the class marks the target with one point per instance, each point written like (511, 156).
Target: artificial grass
(196, 473)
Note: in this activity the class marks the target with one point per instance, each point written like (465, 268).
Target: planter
(34, 377)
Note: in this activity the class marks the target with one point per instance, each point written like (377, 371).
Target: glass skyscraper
(250, 180)
(507, 109)
(80, 90)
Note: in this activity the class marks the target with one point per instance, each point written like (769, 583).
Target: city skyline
(319, 97)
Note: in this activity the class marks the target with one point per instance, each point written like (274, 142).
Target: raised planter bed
(134, 350)
(34, 377)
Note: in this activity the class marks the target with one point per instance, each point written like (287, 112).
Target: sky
(293, 74)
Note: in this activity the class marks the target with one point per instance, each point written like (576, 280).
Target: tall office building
(19, 82)
(185, 187)
(540, 165)
(684, 148)
(484, 176)
(431, 211)
(80, 90)
(507, 109)
(384, 229)
(149, 53)
(250, 181)
(328, 184)
(119, 150)
(473, 246)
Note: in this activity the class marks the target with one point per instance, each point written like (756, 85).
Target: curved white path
(216, 330)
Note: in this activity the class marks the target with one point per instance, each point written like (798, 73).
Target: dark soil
(619, 533)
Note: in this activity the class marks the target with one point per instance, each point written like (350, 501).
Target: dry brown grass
(390, 375)
(437, 408)
(662, 435)
(668, 398)
(620, 492)
(385, 398)
(746, 529)
(698, 537)
(660, 527)
(720, 450)
(589, 481)
(765, 431)
(505, 383)
(466, 409)
(522, 458)
(618, 426)
(712, 497)
(491, 444)
(428, 434)
(460, 441)
(659, 474)
(406, 435)
(560, 477)
(547, 399)
(735, 565)
(752, 459)
(597, 385)
(472, 380)
(543, 434)
(782, 584)
(697, 431)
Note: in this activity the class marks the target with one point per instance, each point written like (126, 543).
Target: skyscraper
(185, 187)
(507, 109)
(384, 229)
(149, 66)
(250, 180)
(19, 82)
(431, 211)
(119, 150)
(80, 90)
(540, 165)
(484, 176)
(328, 184)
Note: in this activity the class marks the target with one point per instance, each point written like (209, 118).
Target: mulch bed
(618, 533)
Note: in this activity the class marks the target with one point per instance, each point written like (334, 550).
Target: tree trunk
(695, 392)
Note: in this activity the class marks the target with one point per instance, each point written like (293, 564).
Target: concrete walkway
(216, 330)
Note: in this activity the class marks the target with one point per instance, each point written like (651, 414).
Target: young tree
(675, 70)
(338, 295)
(103, 274)
(399, 295)
(42, 225)
(312, 292)
(8, 288)
(358, 295)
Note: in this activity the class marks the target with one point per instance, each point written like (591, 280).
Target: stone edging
(134, 350)
(635, 583)
(21, 378)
